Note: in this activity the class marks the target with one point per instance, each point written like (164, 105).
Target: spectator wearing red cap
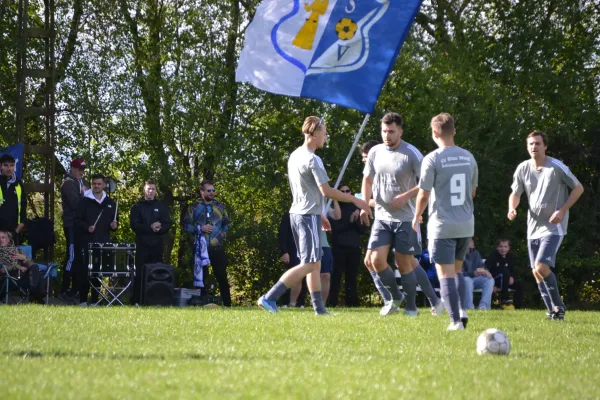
(71, 192)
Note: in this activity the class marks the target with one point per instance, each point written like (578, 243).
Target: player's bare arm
(513, 202)
(422, 200)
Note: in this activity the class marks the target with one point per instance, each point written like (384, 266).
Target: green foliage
(149, 91)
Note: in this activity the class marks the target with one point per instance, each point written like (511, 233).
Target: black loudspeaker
(158, 282)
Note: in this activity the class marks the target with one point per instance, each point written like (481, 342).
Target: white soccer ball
(493, 341)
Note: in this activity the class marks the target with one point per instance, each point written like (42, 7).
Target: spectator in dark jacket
(95, 219)
(13, 201)
(150, 220)
(501, 265)
(289, 256)
(345, 246)
(71, 192)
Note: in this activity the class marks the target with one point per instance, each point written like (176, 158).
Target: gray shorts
(305, 229)
(446, 251)
(544, 250)
(400, 235)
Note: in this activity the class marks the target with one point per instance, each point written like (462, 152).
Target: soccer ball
(493, 341)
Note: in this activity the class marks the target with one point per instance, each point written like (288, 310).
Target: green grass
(74, 353)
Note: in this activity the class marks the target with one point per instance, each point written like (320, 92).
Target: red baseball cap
(78, 163)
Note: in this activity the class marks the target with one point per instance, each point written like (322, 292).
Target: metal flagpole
(356, 139)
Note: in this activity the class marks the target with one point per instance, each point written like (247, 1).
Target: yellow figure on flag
(306, 36)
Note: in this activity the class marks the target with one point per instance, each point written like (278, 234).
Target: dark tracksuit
(9, 207)
(71, 193)
(502, 269)
(149, 244)
(87, 213)
(345, 246)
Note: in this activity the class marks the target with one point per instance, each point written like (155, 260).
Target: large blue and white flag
(16, 150)
(338, 51)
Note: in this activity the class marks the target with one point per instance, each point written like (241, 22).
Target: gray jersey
(306, 173)
(547, 191)
(450, 174)
(394, 172)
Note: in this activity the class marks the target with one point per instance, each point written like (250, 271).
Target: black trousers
(218, 261)
(346, 261)
(144, 254)
(516, 286)
(81, 273)
(69, 280)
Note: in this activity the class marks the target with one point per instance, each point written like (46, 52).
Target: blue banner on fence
(16, 150)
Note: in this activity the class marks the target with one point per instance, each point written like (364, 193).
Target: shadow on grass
(118, 356)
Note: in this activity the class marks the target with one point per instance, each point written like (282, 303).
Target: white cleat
(455, 326)
(438, 309)
(389, 308)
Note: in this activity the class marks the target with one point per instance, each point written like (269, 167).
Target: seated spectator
(501, 264)
(429, 267)
(477, 277)
(14, 260)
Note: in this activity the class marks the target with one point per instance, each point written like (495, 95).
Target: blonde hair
(311, 124)
(443, 124)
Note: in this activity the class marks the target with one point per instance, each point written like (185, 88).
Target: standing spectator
(346, 233)
(501, 264)
(94, 220)
(477, 277)
(150, 220)
(289, 253)
(209, 217)
(13, 201)
(71, 192)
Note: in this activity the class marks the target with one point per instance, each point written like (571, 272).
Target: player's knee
(541, 269)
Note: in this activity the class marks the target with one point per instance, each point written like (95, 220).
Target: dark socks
(276, 291)
(450, 297)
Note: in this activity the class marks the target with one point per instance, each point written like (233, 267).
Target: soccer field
(116, 353)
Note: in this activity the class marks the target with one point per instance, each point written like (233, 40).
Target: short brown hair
(392, 118)
(204, 183)
(540, 134)
(366, 147)
(150, 182)
(443, 124)
(311, 124)
(501, 240)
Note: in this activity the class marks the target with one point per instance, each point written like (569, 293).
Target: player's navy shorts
(327, 261)
(544, 250)
(400, 235)
(446, 251)
(305, 229)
